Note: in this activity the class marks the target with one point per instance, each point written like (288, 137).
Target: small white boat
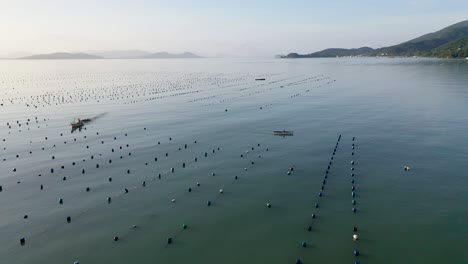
(77, 123)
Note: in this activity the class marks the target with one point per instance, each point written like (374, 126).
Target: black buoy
(143, 184)
(109, 199)
(208, 203)
(60, 201)
(68, 219)
(23, 241)
(304, 244)
(116, 238)
(169, 240)
(309, 228)
(126, 190)
(356, 252)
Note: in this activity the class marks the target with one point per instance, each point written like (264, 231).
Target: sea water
(149, 116)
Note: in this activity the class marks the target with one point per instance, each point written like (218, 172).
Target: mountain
(448, 42)
(165, 55)
(120, 54)
(454, 49)
(327, 53)
(61, 56)
(428, 42)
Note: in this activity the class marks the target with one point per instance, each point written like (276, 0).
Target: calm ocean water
(212, 122)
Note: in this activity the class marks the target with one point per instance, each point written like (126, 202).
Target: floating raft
(283, 133)
(260, 79)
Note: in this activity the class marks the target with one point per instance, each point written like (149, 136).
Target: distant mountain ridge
(117, 54)
(166, 55)
(61, 56)
(436, 44)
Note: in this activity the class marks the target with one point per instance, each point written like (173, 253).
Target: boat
(77, 123)
(283, 133)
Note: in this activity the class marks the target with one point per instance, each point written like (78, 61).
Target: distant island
(130, 54)
(62, 56)
(165, 55)
(450, 42)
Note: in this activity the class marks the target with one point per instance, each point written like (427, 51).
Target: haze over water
(155, 115)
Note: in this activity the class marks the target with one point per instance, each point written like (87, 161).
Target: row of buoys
(353, 201)
(322, 188)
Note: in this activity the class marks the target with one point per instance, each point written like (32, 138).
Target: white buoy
(355, 237)
(173, 200)
(407, 168)
(221, 191)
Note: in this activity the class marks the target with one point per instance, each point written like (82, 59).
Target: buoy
(189, 189)
(353, 201)
(126, 190)
(407, 168)
(1, 188)
(23, 241)
(172, 170)
(169, 240)
(143, 184)
(208, 203)
(221, 191)
(87, 189)
(289, 173)
(352, 188)
(198, 184)
(354, 210)
(304, 244)
(236, 177)
(68, 219)
(298, 261)
(116, 238)
(309, 228)
(268, 205)
(60, 201)
(213, 174)
(109, 200)
(352, 162)
(355, 237)
(316, 205)
(353, 194)
(356, 252)
(355, 229)
(313, 215)
(184, 226)
(173, 200)
(110, 179)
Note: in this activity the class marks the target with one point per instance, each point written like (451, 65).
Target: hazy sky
(212, 27)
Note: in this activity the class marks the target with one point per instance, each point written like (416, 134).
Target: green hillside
(450, 42)
(428, 42)
(454, 49)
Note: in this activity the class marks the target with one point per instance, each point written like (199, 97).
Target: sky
(214, 28)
